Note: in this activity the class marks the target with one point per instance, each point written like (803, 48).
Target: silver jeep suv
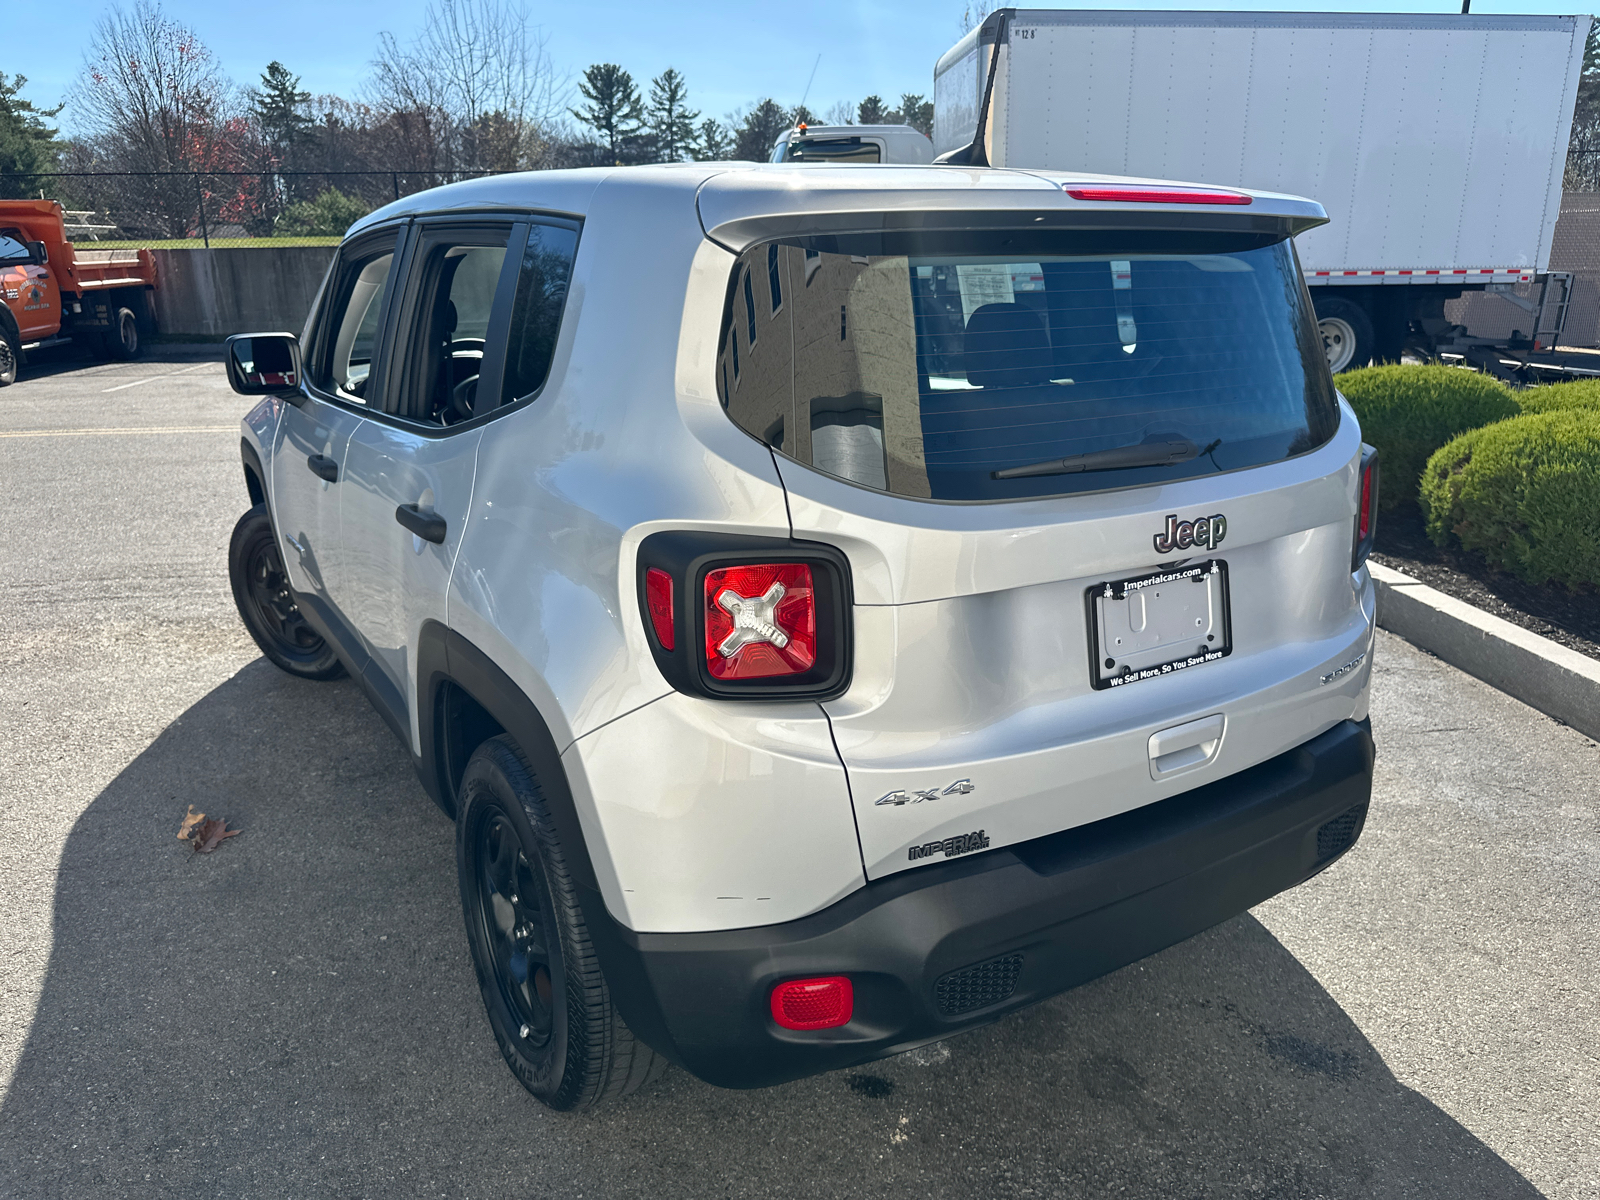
(838, 606)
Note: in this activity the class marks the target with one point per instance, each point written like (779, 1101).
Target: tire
(10, 356)
(1346, 331)
(122, 342)
(266, 605)
(548, 1003)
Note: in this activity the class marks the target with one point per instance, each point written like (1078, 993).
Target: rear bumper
(943, 948)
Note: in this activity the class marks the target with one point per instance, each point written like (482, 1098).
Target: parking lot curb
(1543, 674)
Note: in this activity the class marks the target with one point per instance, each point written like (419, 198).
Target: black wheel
(10, 356)
(267, 606)
(122, 341)
(1346, 330)
(548, 1003)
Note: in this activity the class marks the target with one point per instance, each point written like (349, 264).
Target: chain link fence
(214, 209)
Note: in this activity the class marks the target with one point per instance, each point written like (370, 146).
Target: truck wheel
(10, 357)
(123, 340)
(1346, 331)
(548, 1004)
(267, 606)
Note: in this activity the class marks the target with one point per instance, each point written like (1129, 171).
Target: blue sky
(731, 53)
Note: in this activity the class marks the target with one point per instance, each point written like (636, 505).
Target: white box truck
(1435, 143)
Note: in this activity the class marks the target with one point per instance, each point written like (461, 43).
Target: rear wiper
(1144, 454)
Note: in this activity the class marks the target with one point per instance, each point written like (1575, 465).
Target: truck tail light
(658, 597)
(760, 621)
(737, 617)
(1153, 195)
(1366, 530)
(824, 1003)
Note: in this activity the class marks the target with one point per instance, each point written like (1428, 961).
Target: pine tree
(614, 110)
(672, 126)
(283, 110)
(872, 112)
(713, 143)
(915, 112)
(759, 131)
(27, 144)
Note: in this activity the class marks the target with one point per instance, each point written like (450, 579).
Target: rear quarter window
(928, 367)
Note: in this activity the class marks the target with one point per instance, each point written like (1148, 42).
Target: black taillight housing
(732, 617)
(1366, 524)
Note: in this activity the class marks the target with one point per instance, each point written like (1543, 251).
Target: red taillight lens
(1367, 508)
(1152, 195)
(1366, 505)
(824, 1003)
(761, 621)
(658, 595)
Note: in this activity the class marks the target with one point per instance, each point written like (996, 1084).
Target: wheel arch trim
(445, 660)
(255, 474)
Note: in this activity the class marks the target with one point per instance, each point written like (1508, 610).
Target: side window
(542, 280)
(458, 274)
(350, 334)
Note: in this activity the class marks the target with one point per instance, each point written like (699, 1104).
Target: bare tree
(1583, 150)
(149, 88)
(842, 113)
(973, 14)
(152, 97)
(474, 91)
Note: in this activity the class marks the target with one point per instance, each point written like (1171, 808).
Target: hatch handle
(1192, 744)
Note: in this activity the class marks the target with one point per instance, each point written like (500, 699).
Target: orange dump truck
(52, 292)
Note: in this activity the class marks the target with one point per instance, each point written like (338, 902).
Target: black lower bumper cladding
(937, 949)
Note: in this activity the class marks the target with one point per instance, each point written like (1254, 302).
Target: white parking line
(151, 378)
(24, 433)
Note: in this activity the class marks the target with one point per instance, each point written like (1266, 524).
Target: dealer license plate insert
(1159, 624)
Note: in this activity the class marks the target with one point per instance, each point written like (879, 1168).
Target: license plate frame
(1123, 611)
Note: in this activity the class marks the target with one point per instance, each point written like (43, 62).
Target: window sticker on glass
(1122, 282)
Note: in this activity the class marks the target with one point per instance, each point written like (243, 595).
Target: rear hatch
(1096, 489)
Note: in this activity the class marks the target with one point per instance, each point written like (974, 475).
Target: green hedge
(1579, 393)
(1408, 411)
(1524, 493)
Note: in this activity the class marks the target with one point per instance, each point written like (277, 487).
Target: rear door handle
(324, 466)
(429, 526)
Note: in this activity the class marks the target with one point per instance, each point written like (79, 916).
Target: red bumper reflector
(658, 595)
(1150, 195)
(824, 1003)
(760, 621)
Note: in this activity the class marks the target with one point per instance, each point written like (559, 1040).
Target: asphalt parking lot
(296, 1014)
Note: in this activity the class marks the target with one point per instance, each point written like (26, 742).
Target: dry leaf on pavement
(210, 834)
(186, 830)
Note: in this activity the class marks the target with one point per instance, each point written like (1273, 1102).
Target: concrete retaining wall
(212, 293)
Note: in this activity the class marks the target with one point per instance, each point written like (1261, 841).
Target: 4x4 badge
(959, 788)
(1207, 532)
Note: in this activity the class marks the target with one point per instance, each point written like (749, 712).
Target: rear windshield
(851, 149)
(1012, 365)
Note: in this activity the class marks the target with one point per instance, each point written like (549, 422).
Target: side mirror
(38, 253)
(264, 364)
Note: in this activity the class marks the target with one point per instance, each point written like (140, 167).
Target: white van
(837, 607)
(853, 144)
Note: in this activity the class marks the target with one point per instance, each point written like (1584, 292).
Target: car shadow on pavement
(295, 1014)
